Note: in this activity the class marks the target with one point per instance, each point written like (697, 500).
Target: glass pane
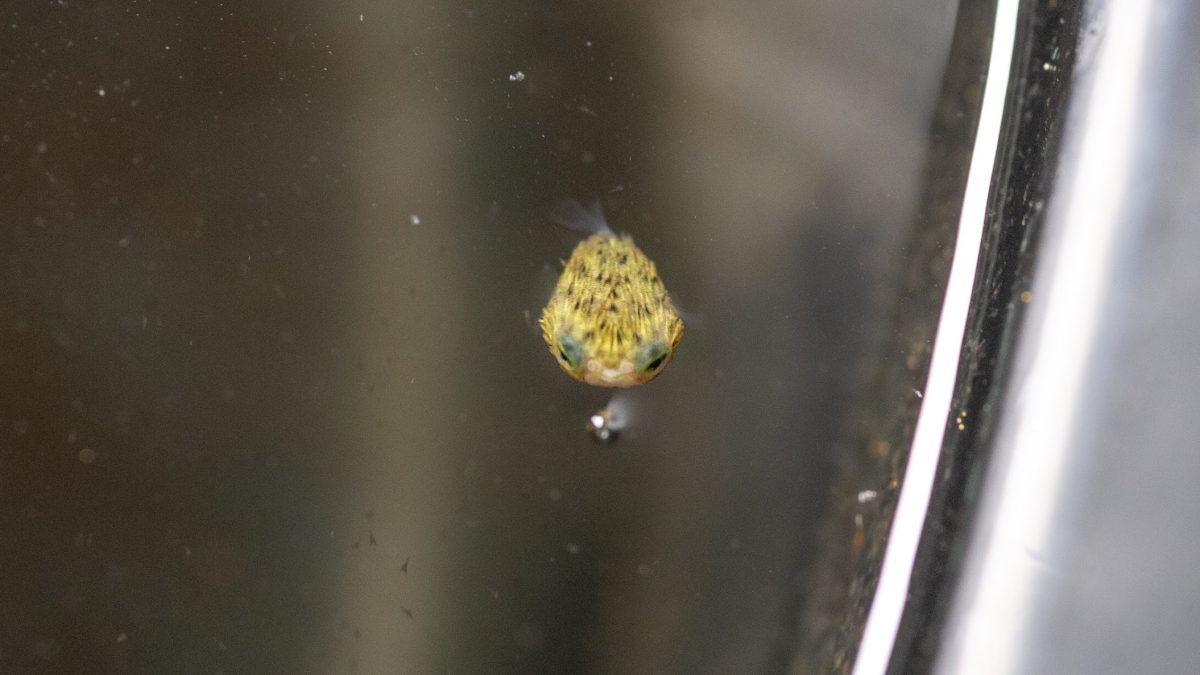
(273, 397)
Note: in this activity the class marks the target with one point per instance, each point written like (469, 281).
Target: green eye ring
(570, 352)
(653, 356)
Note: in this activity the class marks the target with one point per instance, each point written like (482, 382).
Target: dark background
(272, 397)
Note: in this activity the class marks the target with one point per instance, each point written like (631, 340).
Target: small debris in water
(600, 428)
(517, 77)
(414, 219)
(87, 455)
(866, 496)
(573, 549)
(606, 423)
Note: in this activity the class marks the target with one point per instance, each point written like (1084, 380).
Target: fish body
(610, 322)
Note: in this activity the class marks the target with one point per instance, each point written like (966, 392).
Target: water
(272, 393)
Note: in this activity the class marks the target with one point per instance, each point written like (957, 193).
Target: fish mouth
(600, 374)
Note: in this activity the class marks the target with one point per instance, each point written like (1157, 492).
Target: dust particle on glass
(516, 77)
(865, 496)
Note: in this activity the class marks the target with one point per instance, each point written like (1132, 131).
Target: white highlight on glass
(990, 621)
(883, 622)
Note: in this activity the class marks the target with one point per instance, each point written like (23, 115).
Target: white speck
(858, 521)
(122, 637)
(866, 496)
(554, 494)
(588, 43)
(918, 393)
(100, 91)
(517, 77)
(124, 242)
(41, 148)
(573, 549)
(167, 47)
(414, 219)
(360, 17)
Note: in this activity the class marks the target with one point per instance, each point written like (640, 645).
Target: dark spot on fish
(613, 294)
(612, 308)
(589, 335)
(577, 302)
(624, 258)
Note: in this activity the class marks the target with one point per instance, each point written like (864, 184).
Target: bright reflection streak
(1021, 501)
(887, 607)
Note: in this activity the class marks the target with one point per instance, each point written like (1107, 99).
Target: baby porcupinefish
(610, 322)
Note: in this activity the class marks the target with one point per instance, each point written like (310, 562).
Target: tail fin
(572, 214)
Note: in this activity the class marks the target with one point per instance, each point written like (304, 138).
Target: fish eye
(653, 355)
(570, 352)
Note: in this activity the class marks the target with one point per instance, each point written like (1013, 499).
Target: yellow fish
(610, 322)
